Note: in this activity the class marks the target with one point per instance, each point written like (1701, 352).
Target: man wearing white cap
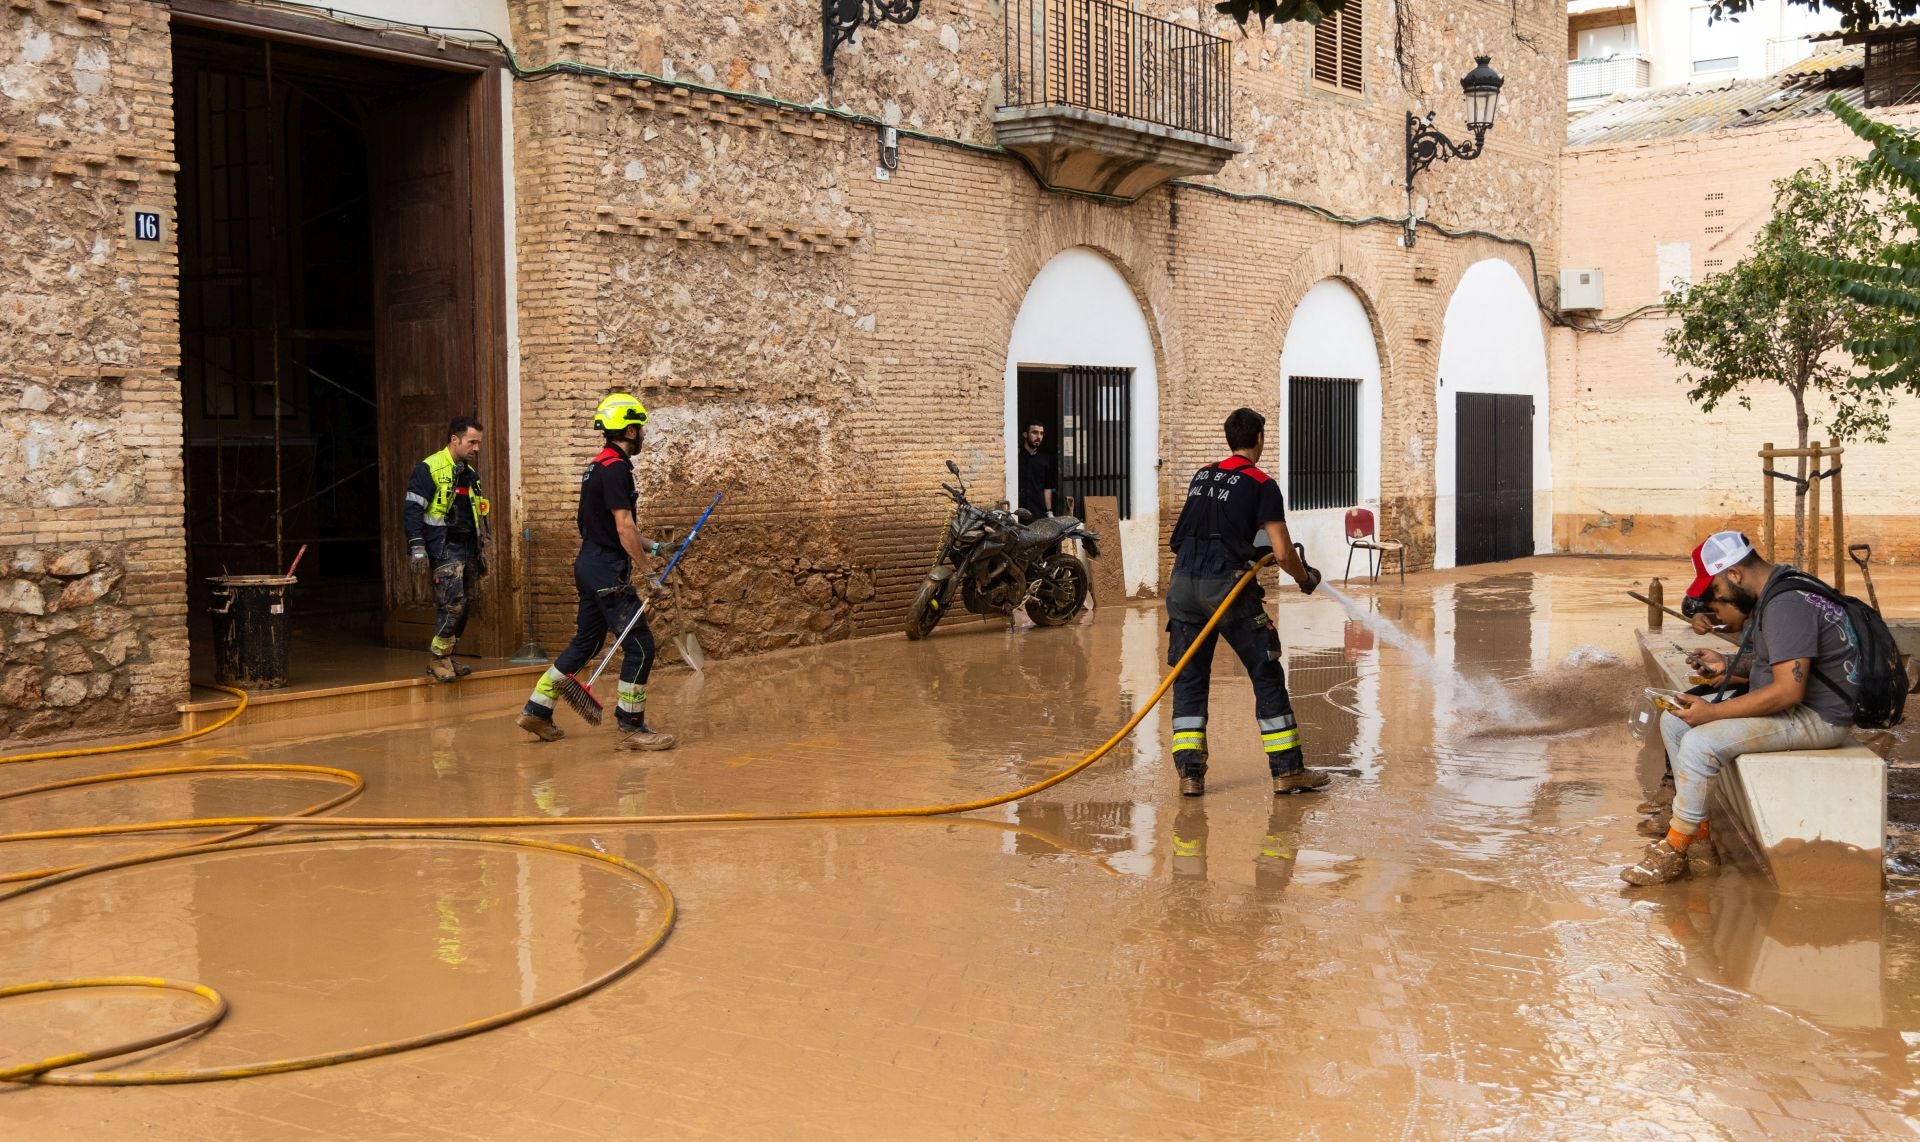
(1802, 681)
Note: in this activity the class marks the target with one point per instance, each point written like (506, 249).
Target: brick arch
(1344, 259)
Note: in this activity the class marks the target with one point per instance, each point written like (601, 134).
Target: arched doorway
(1081, 364)
(1325, 447)
(1493, 475)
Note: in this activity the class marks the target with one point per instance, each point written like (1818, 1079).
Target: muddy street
(1437, 945)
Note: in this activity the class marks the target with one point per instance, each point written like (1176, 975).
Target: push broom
(578, 694)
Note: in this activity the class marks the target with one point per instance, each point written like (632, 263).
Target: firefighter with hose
(1230, 506)
(613, 558)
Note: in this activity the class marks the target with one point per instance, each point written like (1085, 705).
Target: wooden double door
(1493, 477)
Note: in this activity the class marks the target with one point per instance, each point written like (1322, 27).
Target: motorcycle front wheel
(924, 613)
(1060, 592)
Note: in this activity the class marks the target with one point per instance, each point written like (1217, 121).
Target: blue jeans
(1697, 754)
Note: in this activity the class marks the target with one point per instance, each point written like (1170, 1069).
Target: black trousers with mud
(606, 603)
(455, 576)
(1254, 639)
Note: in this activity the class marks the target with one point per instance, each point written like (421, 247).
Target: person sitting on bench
(1802, 683)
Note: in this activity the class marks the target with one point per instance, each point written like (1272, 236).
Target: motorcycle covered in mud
(998, 560)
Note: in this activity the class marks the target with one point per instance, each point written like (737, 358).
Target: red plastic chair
(1362, 537)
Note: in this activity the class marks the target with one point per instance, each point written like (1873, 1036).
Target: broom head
(574, 693)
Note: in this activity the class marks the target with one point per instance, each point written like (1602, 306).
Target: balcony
(1105, 100)
(1592, 79)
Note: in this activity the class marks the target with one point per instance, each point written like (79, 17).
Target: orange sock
(1700, 834)
(1678, 839)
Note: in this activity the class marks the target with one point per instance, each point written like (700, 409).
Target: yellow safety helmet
(619, 411)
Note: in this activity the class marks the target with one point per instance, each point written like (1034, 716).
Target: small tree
(1776, 318)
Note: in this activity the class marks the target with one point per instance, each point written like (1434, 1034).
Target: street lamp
(1482, 87)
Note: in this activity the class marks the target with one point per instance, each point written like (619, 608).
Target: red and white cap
(1718, 552)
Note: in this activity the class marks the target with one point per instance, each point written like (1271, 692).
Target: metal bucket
(250, 636)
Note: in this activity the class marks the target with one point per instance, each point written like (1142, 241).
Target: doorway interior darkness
(329, 318)
(1087, 413)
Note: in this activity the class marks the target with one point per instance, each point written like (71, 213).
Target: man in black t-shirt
(613, 557)
(1036, 473)
(1229, 506)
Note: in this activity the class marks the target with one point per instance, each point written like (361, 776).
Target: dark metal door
(1094, 434)
(1493, 477)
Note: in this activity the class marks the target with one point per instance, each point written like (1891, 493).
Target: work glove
(417, 558)
(1312, 582)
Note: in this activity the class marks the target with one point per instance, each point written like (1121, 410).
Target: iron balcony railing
(1107, 58)
(1593, 78)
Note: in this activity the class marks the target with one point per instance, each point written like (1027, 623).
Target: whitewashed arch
(1492, 342)
(1080, 310)
(1330, 335)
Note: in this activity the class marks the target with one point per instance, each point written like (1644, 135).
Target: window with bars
(1323, 442)
(1337, 48)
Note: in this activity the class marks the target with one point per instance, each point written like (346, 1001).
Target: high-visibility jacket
(431, 495)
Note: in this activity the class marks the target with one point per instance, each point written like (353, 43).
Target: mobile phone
(1668, 700)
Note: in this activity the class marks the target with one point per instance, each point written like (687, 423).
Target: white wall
(1492, 343)
(488, 15)
(1669, 43)
(1330, 335)
(1081, 311)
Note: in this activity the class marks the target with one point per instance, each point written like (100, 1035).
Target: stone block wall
(92, 555)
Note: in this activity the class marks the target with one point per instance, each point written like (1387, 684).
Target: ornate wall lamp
(841, 20)
(1425, 145)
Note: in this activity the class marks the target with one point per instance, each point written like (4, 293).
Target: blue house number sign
(146, 225)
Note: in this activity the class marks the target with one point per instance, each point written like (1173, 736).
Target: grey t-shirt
(1798, 624)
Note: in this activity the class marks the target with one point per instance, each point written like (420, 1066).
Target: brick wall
(1645, 471)
(813, 341)
(92, 556)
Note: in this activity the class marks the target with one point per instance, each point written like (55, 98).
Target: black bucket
(250, 630)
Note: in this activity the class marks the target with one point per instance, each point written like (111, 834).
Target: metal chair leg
(1347, 578)
(1375, 558)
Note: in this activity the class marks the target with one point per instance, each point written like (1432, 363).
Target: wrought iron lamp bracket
(841, 21)
(1425, 146)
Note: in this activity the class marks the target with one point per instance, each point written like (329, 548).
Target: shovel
(1861, 552)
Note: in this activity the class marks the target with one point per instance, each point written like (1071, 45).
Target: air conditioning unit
(1582, 290)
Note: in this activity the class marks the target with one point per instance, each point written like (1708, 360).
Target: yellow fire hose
(407, 829)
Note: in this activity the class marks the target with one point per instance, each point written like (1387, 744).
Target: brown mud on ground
(1589, 689)
(1437, 947)
(1820, 867)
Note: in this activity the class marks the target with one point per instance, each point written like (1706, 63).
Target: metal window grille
(1337, 48)
(1095, 428)
(1323, 442)
(1108, 58)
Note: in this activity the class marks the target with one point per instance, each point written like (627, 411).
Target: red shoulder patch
(609, 456)
(1245, 467)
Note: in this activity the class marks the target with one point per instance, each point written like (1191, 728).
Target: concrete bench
(1814, 821)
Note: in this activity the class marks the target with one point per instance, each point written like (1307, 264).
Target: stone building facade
(709, 227)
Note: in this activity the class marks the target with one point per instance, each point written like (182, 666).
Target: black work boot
(1193, 774)
(1301, 780)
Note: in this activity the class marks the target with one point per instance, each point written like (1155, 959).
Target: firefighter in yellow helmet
(613, 557)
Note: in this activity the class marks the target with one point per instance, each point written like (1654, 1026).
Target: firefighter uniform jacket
(434, 494)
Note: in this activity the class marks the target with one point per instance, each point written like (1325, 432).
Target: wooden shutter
(1893, 72)
(1337, 48)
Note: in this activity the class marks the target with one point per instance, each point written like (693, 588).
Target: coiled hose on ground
(239, 837)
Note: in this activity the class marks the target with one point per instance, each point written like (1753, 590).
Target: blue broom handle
(701, 522)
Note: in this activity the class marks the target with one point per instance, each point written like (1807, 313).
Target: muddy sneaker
(1702, 860)
(645, 740)
(1193, 786)
(440, 668)
(1654, 826)
(1660, 864)
(460, 669)
(1301, 780)
(540, 727)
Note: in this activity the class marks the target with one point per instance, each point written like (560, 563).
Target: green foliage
(1281, 11)
(1855, 15)
(1777, 317)
(1887, 280)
